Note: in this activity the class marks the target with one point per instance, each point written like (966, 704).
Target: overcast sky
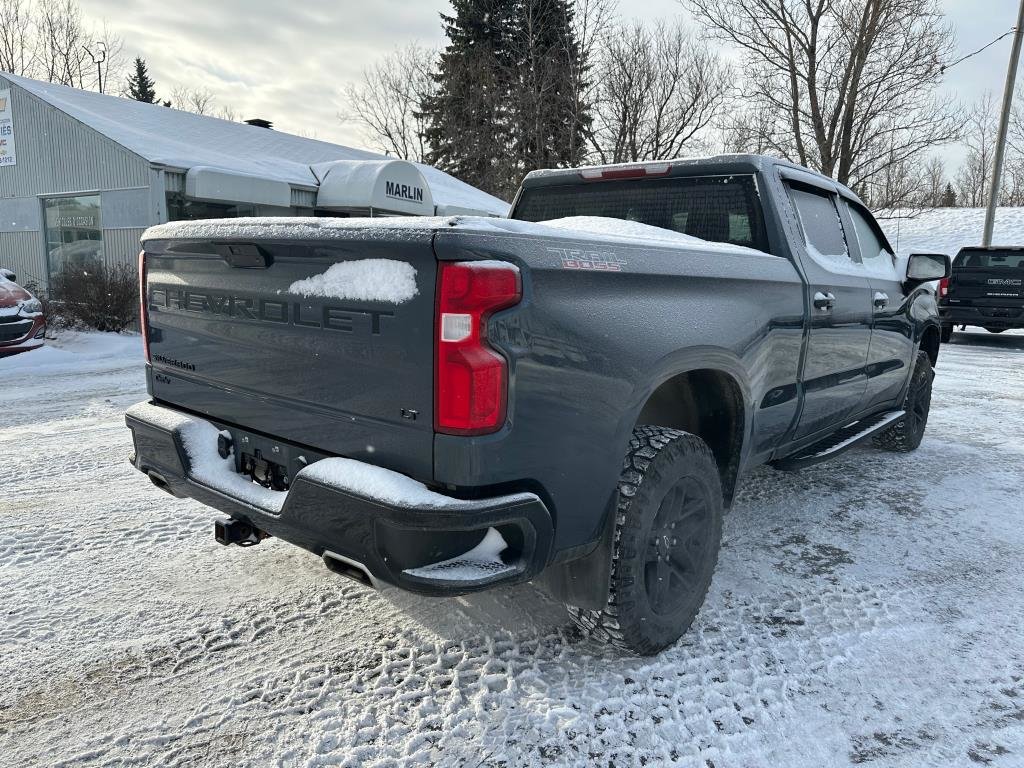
(287, 62)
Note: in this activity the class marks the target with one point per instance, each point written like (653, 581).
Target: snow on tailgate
(363, 280)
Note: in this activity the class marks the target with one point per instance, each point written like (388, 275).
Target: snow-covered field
(866, 611)
(947, 230)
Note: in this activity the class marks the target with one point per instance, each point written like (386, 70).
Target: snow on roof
(177, 139)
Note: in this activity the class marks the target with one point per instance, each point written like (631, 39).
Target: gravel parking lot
(865, 611)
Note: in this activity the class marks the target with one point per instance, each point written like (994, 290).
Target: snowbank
(947, 230)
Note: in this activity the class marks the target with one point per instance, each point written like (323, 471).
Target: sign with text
(7, 154)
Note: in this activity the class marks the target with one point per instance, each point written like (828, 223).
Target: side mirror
(925, 267)
(6, 273)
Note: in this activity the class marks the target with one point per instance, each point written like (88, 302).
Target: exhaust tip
(350, 569)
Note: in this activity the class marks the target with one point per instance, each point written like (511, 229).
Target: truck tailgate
(988, 277)
(345, 369)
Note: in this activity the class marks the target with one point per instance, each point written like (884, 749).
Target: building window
(181, 208)
(74, 233)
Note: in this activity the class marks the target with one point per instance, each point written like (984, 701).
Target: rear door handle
(881, 300)
(824, 301)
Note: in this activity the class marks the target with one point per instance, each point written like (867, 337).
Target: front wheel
(906, 434)
(667, 536)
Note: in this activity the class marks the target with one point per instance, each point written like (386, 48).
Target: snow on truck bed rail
(422, 228)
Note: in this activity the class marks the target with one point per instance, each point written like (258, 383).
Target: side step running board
(839, 441)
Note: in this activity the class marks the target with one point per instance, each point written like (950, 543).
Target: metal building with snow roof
(83, 174)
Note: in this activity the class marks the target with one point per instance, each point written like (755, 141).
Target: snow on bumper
(402, 532)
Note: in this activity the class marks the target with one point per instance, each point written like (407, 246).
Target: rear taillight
(143, 320)
(943, 287)
(470, 377)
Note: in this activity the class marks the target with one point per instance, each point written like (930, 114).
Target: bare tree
(1012, 189)
(387, 102)
(899, 185)
(68, 50)
(63, 43)
(17, 38)
(658, 90)
(980, 140)
(849, 84)
(747, 129)
(198, 100)
(935, 182)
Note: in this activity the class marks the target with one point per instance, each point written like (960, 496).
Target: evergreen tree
(949, 197)
(548, 130)
(140, 86)
(469, 126)
(506, 97)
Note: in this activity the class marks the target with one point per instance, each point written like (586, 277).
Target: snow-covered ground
(865, 611)
(947, 230)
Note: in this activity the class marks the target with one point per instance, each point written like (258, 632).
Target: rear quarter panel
(587, 347)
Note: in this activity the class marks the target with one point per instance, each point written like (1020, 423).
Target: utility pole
(1004, 124)
(99, 54)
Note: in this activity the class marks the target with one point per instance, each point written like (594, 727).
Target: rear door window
(819, 218)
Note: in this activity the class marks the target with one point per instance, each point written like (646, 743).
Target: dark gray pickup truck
(449, 405)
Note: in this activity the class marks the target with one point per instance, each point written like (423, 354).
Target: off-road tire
(669, 484)
(946, 334)
(906, 434)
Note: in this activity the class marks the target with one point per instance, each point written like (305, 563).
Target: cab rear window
(990, 258)
(721, 209)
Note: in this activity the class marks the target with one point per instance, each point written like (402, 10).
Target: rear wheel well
(930, 343)
(706, 403)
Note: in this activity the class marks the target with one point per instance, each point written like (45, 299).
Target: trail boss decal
(593, 261)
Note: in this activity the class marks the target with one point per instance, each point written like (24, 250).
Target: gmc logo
(237, 307)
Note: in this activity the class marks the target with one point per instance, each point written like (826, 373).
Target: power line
(980, 50)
